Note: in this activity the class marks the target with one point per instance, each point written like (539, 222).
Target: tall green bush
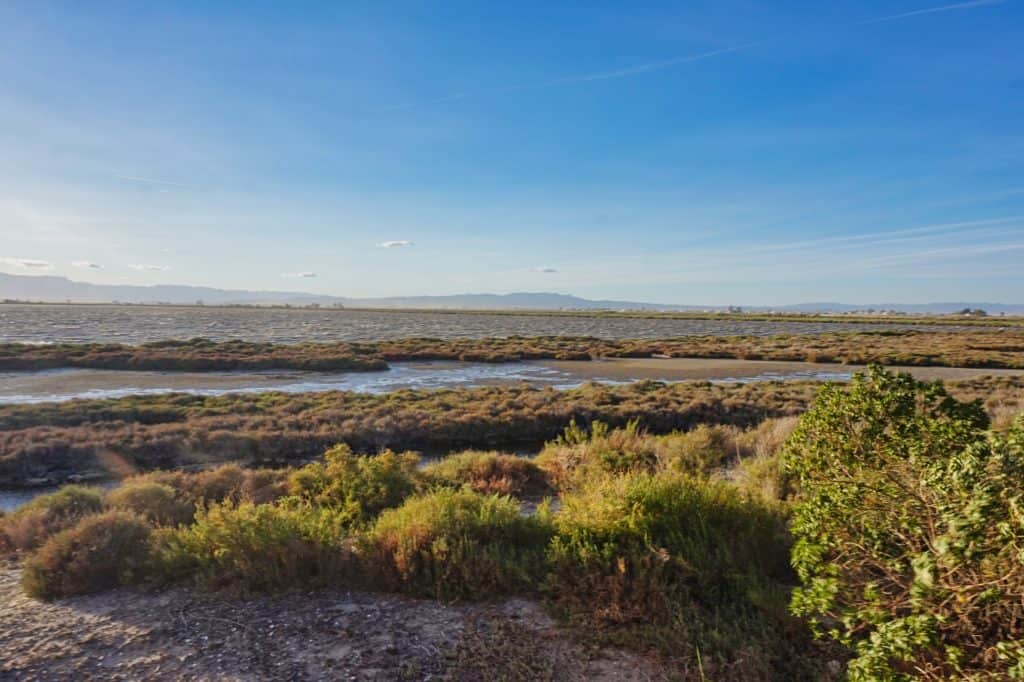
(157, 503)
(910, 530)
(257, 547)
(357, 487)
(457, 544)
(688, 566)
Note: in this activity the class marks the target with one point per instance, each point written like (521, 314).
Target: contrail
(671, 62)
(135, 178)
(931, 10)
(584, 78)
(650, 66)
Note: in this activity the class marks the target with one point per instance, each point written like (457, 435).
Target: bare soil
(182, 634)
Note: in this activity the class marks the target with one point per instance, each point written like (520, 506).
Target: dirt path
(181, 634)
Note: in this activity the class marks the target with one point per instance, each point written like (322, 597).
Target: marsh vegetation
(974, 348)
(726, 551)
(60, 442)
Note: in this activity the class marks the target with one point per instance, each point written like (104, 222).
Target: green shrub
(699, 451)
(457, 544)
(761, 471)
(227, 482)
(157, 503)
(764, 476)
(489, 472)
(257, 547)
(32, 523)
(682, 565)
(909, 531)
(357, 487)
(580, 454)
(99, 553)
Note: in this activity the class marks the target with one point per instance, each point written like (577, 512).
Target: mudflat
(65, 384)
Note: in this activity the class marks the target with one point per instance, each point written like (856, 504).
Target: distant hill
(61, 289)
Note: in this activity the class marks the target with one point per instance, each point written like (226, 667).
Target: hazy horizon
(711, 154)
(277, 296)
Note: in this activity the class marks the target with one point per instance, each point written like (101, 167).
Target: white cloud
(27, 263)
(544, 270)
(300, 275)
(86, 264)
(395, 244)
(149, 268)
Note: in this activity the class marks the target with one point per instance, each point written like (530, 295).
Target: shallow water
(68, 384)
(136, 324)
(12, 499)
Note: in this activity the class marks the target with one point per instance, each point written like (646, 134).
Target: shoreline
(59, 385)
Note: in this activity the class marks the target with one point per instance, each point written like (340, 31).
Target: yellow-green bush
(489, 472)
(31, 524)
(157, 503)
(227, 482)
(101, 552)
(699, 451)
(675, 563)
(356, 487)
(580, 455)
(457, 544)
(257, 547)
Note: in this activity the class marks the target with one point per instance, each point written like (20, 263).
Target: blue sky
(703, 152)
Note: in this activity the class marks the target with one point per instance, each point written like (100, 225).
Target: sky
(711, 153)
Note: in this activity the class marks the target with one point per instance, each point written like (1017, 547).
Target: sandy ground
(680, 369)
(181, 634)
(80, 380)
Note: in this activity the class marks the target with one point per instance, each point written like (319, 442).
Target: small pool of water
(12, 499)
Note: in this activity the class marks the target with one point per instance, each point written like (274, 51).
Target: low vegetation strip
(57, 442)
(963, 318)
(727, 553)
(975, 348)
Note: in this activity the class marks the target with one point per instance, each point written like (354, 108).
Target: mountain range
(53, 289)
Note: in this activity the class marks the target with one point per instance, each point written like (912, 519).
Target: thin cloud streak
(142, 267)
(395, 244)
(650, 66)
(29, 263)
(584, 78)
(667, 63)
(151, 181)
(928, 229)
(933, 254)
(931, 10)
(86, 264)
